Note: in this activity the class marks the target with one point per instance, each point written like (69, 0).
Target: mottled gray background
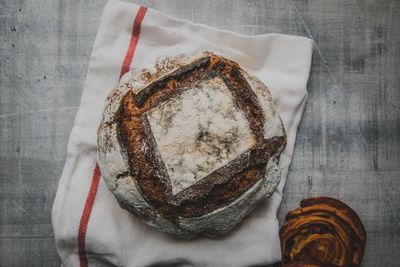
(347, 146)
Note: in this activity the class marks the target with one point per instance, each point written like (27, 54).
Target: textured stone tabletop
(348, 144)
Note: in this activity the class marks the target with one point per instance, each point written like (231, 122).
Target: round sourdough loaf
(190, 146)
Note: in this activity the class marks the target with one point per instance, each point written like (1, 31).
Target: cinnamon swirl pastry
(322, 231)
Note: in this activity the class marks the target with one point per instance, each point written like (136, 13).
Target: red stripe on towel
(134, 40)
(83, 224)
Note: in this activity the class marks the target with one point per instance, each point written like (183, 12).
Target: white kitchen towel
(90, 227)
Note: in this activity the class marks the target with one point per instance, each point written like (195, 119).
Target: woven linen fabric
(90, 228)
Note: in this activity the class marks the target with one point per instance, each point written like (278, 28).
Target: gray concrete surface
(348, 142)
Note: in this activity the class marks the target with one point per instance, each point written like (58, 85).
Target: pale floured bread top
(207, 132)
(190, 145)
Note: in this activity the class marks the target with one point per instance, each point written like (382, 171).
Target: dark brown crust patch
(219, 188)
(144, 161)
(227, 183)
